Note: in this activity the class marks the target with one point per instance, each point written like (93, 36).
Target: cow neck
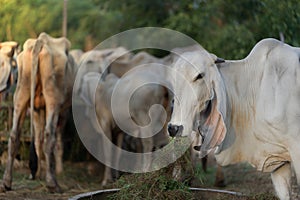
(241, 82)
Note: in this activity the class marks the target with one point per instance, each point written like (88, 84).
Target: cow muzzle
(175, 130)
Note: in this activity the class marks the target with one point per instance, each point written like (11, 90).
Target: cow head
(199, 99)
(7, 65)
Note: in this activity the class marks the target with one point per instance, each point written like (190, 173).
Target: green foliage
(227, 28)
(276, 16)
(24, 19)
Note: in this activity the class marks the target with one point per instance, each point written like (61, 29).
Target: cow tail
(33, 160)
(34, 69)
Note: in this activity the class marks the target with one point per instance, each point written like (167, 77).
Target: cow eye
(200, 76)
(172, 105)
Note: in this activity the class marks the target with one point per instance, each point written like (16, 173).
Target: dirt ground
(76, 179)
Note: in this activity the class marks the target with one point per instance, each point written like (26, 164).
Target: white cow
(98, 60)
(105, 56)
(248, 109)
(140, 102)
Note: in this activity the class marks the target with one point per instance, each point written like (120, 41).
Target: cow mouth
(202, 128)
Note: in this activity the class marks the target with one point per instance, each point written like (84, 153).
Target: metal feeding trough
(96, 195)
(102, 194)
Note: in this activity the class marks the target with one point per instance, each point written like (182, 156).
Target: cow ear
(219, 87)
(221, 101)
(216, 128)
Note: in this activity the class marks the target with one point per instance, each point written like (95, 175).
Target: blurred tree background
(227, 28)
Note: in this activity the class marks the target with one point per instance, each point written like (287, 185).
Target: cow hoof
(220, 183)
(103, 183)
(7, 188)
(31, 177)
(106, 182)
(54, 189)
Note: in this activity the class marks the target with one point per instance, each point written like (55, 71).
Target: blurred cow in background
(8, 69)
(76, 54)
(139, 104)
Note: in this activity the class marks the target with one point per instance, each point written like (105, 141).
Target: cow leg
(139, 149)
(48, 146)
(204, 164)
(120, 137)
(14, 140)
(107, 176)
(58, 150)
(295, 155)
(58, 153)
(220, 180)
(39, 124)
(147, 156)
(281, 179)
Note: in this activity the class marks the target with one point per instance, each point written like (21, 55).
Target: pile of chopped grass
(155, 185)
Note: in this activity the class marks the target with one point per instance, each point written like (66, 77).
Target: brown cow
(45, 64)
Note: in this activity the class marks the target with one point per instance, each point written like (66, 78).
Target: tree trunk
(65, 18)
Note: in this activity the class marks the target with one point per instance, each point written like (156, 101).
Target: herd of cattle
(246, 110)
(46, 73)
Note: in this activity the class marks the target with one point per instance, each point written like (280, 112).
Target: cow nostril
(170, 130)
(173, 130)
